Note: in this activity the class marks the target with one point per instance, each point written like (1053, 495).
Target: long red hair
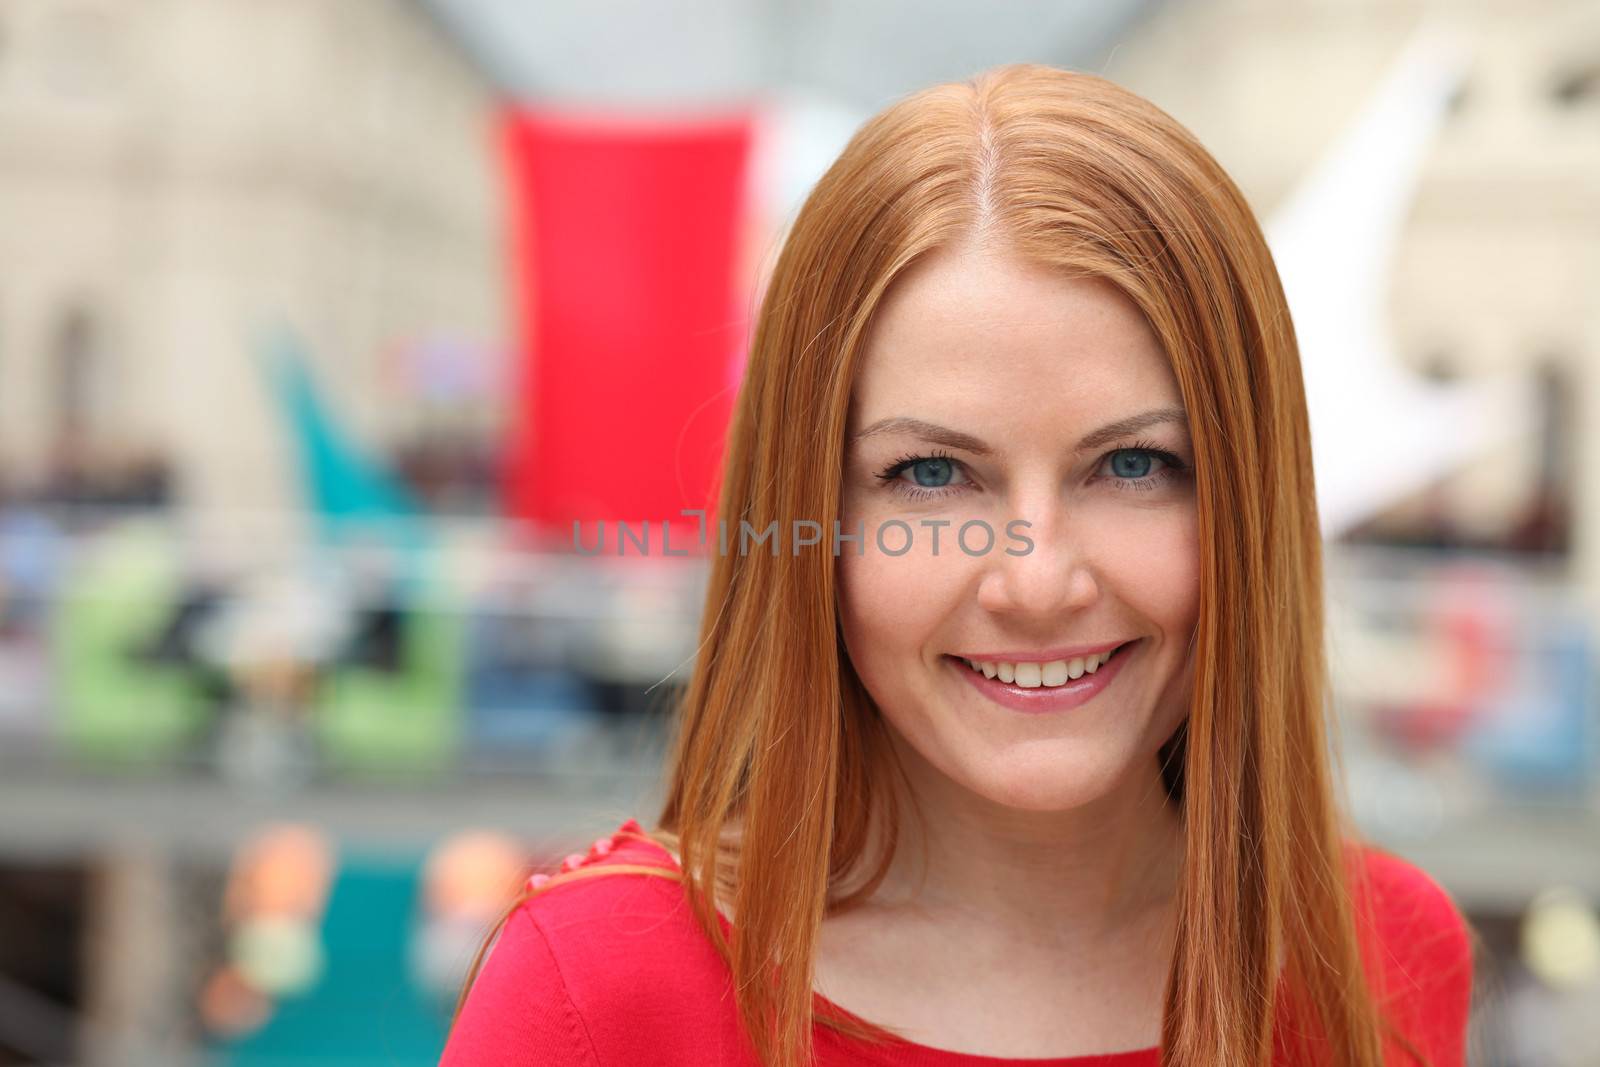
(780, 759)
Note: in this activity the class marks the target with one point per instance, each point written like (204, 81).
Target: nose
(1053, 579)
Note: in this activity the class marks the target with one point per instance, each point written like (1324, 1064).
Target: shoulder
(519, 1009)
(1420, 949)
(1416, 920)
(610, 967)
(609, 924)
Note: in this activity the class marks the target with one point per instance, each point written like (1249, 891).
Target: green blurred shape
(376, 723)
(115, 707)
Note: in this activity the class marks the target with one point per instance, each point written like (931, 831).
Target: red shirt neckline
(921, 1055)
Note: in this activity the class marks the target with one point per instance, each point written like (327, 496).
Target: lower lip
(1041, 698)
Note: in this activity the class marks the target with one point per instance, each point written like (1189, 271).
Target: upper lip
(1049, 655)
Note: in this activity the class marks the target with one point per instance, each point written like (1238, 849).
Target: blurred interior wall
(177, 176)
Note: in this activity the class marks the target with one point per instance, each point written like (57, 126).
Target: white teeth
(1033, 675)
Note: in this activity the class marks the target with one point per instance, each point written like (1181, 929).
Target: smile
(1050, 675)
(1055, 685)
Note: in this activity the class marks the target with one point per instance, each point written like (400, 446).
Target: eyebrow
(942, 435)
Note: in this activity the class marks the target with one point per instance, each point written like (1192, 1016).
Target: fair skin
(1029, 912)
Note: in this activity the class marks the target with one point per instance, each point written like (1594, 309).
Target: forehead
(974, 324)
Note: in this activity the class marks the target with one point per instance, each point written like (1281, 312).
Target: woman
(1024, 762)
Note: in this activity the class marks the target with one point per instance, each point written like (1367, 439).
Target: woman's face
(1013, 374)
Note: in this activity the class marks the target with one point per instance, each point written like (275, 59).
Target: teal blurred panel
(365, 1011)
(340, 480)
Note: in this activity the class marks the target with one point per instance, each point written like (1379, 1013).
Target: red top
(615, 972)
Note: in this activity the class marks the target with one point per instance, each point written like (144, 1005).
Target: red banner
(625, 246)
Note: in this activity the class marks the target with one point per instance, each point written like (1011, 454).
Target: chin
(1059, 786)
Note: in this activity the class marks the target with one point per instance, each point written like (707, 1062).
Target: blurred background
(322, 320)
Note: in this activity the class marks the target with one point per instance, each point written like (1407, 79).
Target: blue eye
(1131, 467)
(1139, 467)
(932, 473)
(931, 476)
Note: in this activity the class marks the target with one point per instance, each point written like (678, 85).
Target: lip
(1041, 699)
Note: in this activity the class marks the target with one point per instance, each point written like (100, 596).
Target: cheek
(889, 602)
(892, 609)
(1150, 562)
(862, 618)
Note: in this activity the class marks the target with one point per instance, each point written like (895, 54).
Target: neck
(1079, 879)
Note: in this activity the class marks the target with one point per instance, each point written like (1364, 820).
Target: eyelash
(1172, 467)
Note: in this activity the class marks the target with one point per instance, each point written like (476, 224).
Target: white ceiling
(677, 53)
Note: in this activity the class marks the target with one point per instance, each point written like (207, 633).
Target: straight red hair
(780, 760)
